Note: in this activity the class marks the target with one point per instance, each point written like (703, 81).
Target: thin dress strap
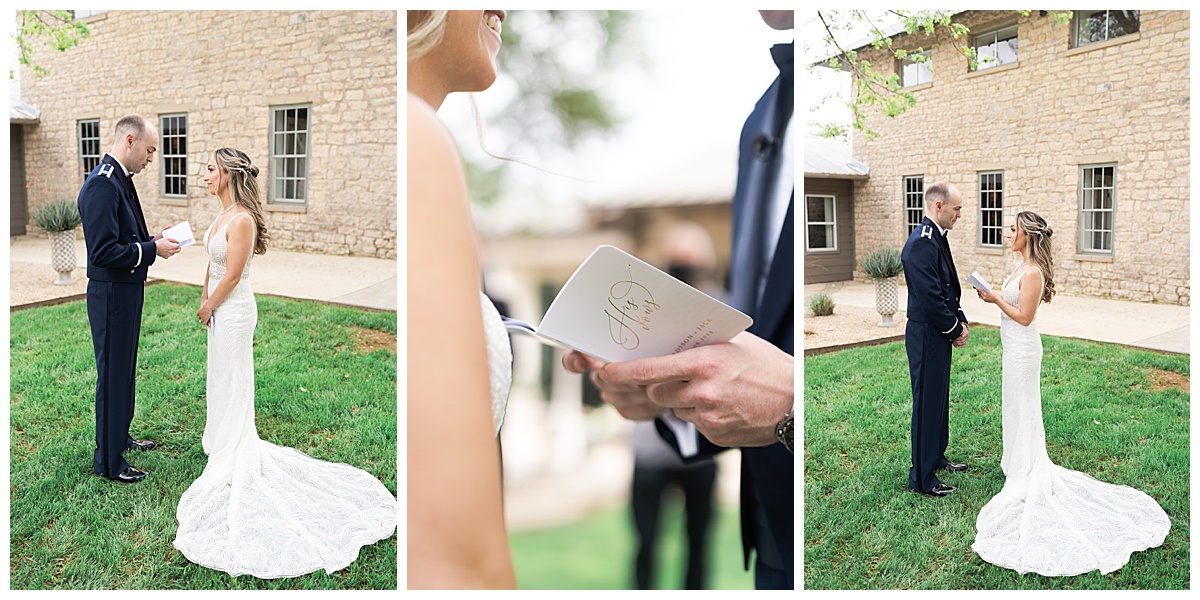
(208, 234)
(233, 218)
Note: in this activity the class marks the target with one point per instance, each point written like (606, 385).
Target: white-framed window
(820, 221)
(173, 149)
(1091, 26)
(915, 72)
(914, 201)
(991, 209)
(290, 153)
(996, 47)
(1097, 207)
(89, 145)
(83, 14)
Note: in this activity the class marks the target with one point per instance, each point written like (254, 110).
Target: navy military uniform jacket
(933, 287)
(768, 490)
(119, 248)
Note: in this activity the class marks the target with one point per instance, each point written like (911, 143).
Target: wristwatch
(786, 432)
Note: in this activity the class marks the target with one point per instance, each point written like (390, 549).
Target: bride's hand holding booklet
(978, 282)
(616, 308)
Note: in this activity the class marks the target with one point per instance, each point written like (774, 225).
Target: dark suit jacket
(933, 287)
(768, 473)
(113, 226)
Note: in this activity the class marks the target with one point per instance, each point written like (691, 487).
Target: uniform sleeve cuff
(948, 331)
(954, 332)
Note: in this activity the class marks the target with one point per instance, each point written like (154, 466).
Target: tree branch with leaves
(875, 90)
(58, 29)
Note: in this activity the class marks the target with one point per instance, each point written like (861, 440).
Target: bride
(459, 362)
(258, 508)
(1048, 519)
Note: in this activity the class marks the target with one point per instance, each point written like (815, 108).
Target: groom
(741, 393)
(119, 251)
(935, 324)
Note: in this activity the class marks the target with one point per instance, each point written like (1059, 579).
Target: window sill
(169, 201)
(1101, 258)
(289, 208)
(821, 250)
(995, 69)
(918, 87)
(990, 250)
(94, 18)
(1133, 37)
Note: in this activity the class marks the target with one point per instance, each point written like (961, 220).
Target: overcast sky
(823, 84)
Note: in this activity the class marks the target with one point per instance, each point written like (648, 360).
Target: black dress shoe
(953, 466)
(142, 445)
(938, 490)
(130, 475)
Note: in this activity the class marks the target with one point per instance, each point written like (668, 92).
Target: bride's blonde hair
(243, 185)
(1037, 239)
(425, 30)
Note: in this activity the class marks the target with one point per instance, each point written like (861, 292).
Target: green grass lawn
(326, 385)
(597, 553)
(1118, 414)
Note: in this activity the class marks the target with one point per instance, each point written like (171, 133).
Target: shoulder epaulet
(105, 170)
(927, 232)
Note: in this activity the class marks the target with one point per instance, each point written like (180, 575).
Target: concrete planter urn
(885, 299)
(884, 268)
(62, 255)
(59, 218)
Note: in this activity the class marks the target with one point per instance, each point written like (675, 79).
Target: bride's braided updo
(1037, 239)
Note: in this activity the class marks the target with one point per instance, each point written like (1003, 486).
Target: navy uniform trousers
(115, 314)
(929, 354)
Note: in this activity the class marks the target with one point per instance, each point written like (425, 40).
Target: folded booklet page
(979, 282)
(616, 307)
(181, 233)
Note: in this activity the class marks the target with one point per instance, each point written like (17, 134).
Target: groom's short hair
(938, 192)
(135, 124)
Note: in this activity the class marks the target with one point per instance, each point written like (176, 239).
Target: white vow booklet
(182, 233)
(616, 307)
(978, 281)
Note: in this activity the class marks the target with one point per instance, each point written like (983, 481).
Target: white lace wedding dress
(500, 359)
(258, 508)
(1048, 519)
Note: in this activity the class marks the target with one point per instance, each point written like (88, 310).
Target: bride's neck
(424, 84)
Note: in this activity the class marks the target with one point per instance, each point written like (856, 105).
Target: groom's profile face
(951, 209)
(142, 149)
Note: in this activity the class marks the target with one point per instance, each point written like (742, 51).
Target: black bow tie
(784, 55)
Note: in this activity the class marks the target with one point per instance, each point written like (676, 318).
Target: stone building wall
(226, 70)
(1039, 120)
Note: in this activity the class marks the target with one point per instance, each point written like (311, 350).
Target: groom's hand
(735, 392)
(962, 338)
(166, 247)
(630, 400)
